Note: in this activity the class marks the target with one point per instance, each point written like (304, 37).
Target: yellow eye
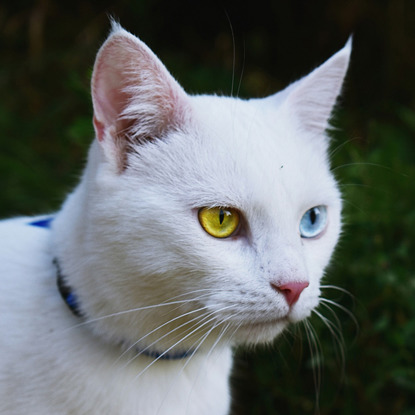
(219, 222)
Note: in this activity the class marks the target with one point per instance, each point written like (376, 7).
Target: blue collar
(65, 291)
(42, 223)
(71, 301)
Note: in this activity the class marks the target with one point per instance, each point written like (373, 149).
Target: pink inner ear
(99, 128)
(109, 100)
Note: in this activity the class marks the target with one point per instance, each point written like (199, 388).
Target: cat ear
(313, 97)
(134, 96)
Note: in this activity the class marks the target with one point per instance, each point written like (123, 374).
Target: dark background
(47, 51)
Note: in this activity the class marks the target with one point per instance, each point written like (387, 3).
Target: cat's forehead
(238, 153)
(239, 131)
(257, 141)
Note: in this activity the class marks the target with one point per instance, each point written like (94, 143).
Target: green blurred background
(47, 52)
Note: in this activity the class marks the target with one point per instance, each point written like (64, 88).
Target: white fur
(146, 274)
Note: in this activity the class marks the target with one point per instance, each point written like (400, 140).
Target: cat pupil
(313, 216)
(221, 216)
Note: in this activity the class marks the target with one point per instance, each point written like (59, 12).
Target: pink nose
(291, 290)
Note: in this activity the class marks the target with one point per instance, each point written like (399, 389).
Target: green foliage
(377, 252)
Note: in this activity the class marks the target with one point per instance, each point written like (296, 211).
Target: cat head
(200, 218)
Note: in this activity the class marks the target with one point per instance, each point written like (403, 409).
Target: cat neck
(71, 300)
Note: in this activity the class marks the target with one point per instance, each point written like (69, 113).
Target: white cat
(200, 222)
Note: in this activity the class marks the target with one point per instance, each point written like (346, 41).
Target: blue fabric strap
(66, 293)
(166, 356)
(42, 223)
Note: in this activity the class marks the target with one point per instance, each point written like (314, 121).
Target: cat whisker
(196, 320)
(195, 299)
(217, 341)
(233, 52)
(200, 341)
(381, 166)
(160, 327)
(199, 317)
(337, 288)
(242, 72)
(338, 325)
(198, 344)
(317, 357)
(181, 340)
(337, 337)
(358, 208)
(366, 186)
(340, 146)
(120, 313)
(325, 301)
(207, 316)
(133, 310)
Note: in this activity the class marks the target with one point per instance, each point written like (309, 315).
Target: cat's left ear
(313, 97)
(135, 98)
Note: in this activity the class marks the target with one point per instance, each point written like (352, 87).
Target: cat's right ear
(134, 96)
(312, 99)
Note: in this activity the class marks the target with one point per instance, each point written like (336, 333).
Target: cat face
(206, 219)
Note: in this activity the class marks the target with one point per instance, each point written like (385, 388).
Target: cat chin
(262, 332)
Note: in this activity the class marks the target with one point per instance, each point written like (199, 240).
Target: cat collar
(66, 293)
(64, 290)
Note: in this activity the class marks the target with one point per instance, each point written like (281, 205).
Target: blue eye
(313, 222)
